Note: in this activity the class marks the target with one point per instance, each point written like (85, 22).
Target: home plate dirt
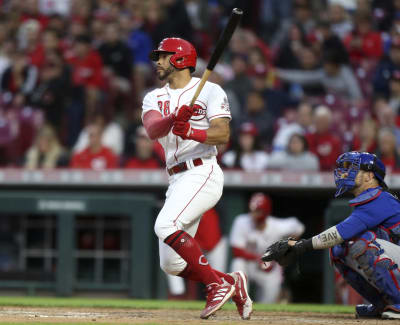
(176, 317)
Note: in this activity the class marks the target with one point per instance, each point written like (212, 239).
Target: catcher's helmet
(348, 165)
(260, 202)
(184, 53)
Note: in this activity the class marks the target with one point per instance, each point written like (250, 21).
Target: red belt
(183, 166)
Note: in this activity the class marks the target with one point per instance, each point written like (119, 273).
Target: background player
(188, 136)
(365, 246)
(250, 233)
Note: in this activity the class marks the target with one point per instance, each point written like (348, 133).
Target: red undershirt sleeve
(240, 252)
(156, 125)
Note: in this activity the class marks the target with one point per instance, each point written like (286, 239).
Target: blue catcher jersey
(372, 208)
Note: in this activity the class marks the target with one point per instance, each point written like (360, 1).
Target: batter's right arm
(156, 125)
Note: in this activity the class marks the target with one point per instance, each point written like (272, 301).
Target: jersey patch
(225, 105)
(366, 197)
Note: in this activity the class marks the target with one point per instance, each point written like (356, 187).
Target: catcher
(365, 247)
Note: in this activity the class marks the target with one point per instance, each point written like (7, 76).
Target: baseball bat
(219, 48)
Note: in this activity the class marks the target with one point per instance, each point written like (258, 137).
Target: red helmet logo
(183, 53)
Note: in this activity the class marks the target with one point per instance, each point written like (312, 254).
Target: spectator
(95, 156)
(365, 141)
(385, 68)
(394, 84)
(87, 81)
(253, 231)
(248, 155)
(29, 41)
(112, 134)
(363, 43)
(145, 157)
(325, 145)
(335, 77)
(288, 56)
(277, 100)
(118, 62)
(386, 118)
(387, 150)
(296, 156)
(241, 83)
(6, 50)
(116, 55)
(53, 91)
(19, 80)
(326, 41)
(257, 112)
(301, 125)
(340, 22)
(46, 152)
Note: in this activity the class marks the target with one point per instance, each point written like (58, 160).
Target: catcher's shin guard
(376, 269)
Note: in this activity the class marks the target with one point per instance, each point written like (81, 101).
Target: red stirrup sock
(228, 278)
(198, 268)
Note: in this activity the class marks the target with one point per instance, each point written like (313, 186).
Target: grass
(158, 304)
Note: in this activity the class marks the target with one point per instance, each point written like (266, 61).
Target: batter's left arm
(218, 132)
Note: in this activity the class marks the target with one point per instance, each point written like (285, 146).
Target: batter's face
(164, 67)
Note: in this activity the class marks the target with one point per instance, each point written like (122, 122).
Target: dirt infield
(178, 317)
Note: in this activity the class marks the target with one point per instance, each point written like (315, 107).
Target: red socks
(198, 268)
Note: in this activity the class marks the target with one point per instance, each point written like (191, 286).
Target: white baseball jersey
(245, 235)
(212, 103)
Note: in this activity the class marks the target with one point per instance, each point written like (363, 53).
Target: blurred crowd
(306, 80)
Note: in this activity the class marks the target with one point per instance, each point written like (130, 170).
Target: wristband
(198, 135)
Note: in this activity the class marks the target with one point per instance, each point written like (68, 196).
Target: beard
(165, 73)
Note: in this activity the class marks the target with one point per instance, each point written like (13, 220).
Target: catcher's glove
(284, 253)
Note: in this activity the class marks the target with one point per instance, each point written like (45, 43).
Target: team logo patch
(200, 111)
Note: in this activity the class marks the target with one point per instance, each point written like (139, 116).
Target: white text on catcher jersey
(212, 103)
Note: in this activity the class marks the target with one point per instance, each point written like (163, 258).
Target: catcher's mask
(261, 206)
(350, 163)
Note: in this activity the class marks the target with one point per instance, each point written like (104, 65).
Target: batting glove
(184, 113)
(186, 132)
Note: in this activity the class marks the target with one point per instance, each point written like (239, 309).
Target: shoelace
(216, 292)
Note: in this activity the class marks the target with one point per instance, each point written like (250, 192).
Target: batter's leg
(193, 193)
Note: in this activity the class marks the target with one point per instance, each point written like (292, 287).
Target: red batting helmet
(261, 203)
(184, 53)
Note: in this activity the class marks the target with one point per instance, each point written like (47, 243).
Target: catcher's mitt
(281, 252)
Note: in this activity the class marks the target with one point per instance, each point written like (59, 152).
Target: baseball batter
(188, 136)
(365, 247)
(251, 233)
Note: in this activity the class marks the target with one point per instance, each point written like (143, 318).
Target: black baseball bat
(220, 47)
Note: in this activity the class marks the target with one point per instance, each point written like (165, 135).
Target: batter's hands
(182, 129)
(184, 113)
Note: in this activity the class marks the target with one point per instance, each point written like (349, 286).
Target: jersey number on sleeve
(164, 107)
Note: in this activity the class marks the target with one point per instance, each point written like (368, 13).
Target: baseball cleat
(391, 312)
(241, 297)
(367, 311)
(217, 296)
